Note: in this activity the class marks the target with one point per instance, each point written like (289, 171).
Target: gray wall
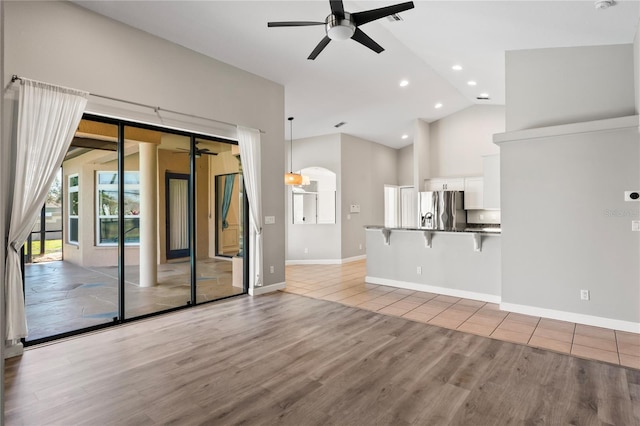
(64, 44)
(565, 226)
(322, 241)
(405, 165)
(451, 263)
(546, 87)
(636, 63)
(4, 181)
(362, 169)
(366, 168)
(458, 141)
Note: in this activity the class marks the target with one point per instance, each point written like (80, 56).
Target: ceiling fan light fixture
(340, 29)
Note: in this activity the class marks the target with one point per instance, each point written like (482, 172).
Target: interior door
(177, 196)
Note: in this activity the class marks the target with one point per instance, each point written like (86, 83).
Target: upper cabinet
(491, 164)
(444, 184)
(473, 193)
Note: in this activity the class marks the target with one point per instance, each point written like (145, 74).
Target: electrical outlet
(306, 250)
(635, 225)
(271, 269)
(419, 270)
(584, 295)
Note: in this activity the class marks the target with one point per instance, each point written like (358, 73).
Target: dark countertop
(482, 229)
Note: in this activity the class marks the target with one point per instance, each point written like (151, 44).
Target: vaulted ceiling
(348, 82)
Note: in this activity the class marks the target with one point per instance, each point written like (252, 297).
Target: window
(107, 207)
(72, 234)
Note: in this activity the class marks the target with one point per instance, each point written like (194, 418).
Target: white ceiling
(348, 82)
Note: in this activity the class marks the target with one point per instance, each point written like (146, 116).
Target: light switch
(269, 220)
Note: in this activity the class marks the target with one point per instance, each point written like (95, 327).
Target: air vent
(394, 18)
(340, 124)
(483, 98)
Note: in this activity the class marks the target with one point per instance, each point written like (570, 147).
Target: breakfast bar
(455, 263)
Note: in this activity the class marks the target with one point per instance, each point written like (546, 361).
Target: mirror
(314, 202)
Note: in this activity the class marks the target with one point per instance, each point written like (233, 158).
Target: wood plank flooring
(287, 359)
(346, 284)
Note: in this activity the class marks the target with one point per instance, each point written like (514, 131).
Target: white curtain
(48, 117)
(249, 141)
(179, 200)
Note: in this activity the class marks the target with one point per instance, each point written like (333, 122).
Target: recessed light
(404, 83)
(405, 136)
(438, 105)
(471, 83)
(457, 67)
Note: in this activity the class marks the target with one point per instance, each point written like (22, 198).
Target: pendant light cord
(290, 144)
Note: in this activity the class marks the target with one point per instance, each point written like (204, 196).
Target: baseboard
(354, 258)
(325, 261)
(13, 350)
(614, 324)
(256, 291)
(434, 289)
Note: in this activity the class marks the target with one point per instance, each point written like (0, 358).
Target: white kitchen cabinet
(491, 169)
(473, 193)
(444, 184)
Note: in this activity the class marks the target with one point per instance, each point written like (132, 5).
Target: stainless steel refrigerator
(442, 210)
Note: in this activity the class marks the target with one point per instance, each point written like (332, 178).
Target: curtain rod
(156, 109)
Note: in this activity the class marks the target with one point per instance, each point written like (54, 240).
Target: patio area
(62, 297)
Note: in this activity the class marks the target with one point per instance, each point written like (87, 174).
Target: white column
(421, 154)
(148, 214)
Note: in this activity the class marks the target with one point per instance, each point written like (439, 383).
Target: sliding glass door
(140, 213)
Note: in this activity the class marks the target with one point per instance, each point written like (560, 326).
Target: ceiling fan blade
(293, 24)
(323, 43)
(367, 41)
(337, 8)
(363, 17)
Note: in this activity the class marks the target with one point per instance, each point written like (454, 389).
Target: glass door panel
(71, 280)
(218, 221)
(157, 264)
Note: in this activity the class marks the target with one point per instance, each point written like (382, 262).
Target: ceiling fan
(199, 151)
(341, 25)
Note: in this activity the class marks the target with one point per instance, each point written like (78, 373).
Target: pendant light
(291, 178)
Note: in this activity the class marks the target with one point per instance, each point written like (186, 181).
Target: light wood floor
(346, 284)
(285, 359)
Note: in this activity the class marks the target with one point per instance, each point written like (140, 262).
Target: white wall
(405, 165)
(547, 87)
(321, 241)
(63, 44)
(366, 168)
(458, 141)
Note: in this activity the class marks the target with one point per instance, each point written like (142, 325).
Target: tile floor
(345, 284)
(62, 297)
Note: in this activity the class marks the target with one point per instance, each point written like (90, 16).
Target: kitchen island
(454, 263)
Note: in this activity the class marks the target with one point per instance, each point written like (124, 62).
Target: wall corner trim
(568, 129)
(256, 291)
